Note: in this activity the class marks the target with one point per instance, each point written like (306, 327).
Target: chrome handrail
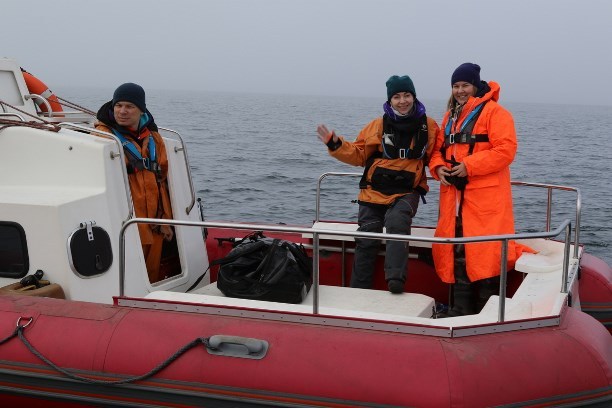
(18, 116)
(550, 187)
(121, 155)
(318, 193)
(566, 225)
(183, 148)
(44, 100)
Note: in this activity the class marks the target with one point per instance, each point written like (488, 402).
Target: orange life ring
(36, 86)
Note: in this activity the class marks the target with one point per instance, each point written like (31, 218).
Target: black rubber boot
(463, 299)
(395, 286)
(486, 288)
(462, 291)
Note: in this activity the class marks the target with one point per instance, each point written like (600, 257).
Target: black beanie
(467, 72)
(130, 92)
(397, 84)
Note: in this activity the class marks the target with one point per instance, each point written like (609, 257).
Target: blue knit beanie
(130, 92)
(397, 84)
(467, 72)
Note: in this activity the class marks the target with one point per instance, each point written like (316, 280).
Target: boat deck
(333, 300)
(538, 297)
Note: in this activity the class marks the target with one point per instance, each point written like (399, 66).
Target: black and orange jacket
(369, 144)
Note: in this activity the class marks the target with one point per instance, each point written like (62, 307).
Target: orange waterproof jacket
(150, 198)
(487, 200)
(369, 142)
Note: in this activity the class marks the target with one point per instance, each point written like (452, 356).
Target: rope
(19, 332)
(24, 112)
(75, 106)
(9, 337)
(44, 126)
(63, 102)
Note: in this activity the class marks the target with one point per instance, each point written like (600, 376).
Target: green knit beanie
(397, 84)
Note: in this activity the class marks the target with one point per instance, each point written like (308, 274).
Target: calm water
(257, 158)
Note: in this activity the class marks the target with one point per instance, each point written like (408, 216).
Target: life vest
(464, 135)
(398, 146)
(136, 162)
(395, 146)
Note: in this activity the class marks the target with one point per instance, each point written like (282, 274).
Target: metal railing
(549, 187)
(565, 226)
(183, 148)
(44, 100)
(16, 115)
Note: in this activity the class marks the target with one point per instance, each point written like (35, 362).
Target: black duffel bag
(269, 269)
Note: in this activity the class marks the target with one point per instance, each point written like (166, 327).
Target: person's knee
(366, 244)
(398, 218)
(398, 224)
(372, 226)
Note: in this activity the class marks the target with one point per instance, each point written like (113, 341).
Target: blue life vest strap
(135, 159)
(465, 135)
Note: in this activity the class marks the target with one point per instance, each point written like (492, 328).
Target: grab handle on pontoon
(236, 346)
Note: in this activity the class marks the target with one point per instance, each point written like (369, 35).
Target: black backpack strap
(301, 257)
(237, 254)
(199, 279)
(266, 259)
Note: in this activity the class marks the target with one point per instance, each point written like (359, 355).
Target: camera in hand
(457, 181)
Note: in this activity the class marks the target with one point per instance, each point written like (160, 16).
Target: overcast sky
(557, 51)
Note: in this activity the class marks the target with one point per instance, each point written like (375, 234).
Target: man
(127, 117)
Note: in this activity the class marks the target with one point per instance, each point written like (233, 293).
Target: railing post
(318, 197)
(315, 273)
(343, 267)
(548, 209)
(566, 254)
(577, 226)
(502, 281)
(183, 148)
(122, 259)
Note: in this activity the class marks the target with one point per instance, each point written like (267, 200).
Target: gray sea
(256, 157)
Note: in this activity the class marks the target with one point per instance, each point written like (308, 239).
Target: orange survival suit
(486, 207)
(149, 189)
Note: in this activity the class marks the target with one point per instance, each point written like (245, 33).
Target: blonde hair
(450, 105)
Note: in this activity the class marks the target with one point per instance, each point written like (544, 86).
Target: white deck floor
(338, 301)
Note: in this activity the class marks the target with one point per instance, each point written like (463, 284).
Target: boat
(82, 325)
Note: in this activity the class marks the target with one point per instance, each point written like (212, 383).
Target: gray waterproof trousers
(397, 219)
